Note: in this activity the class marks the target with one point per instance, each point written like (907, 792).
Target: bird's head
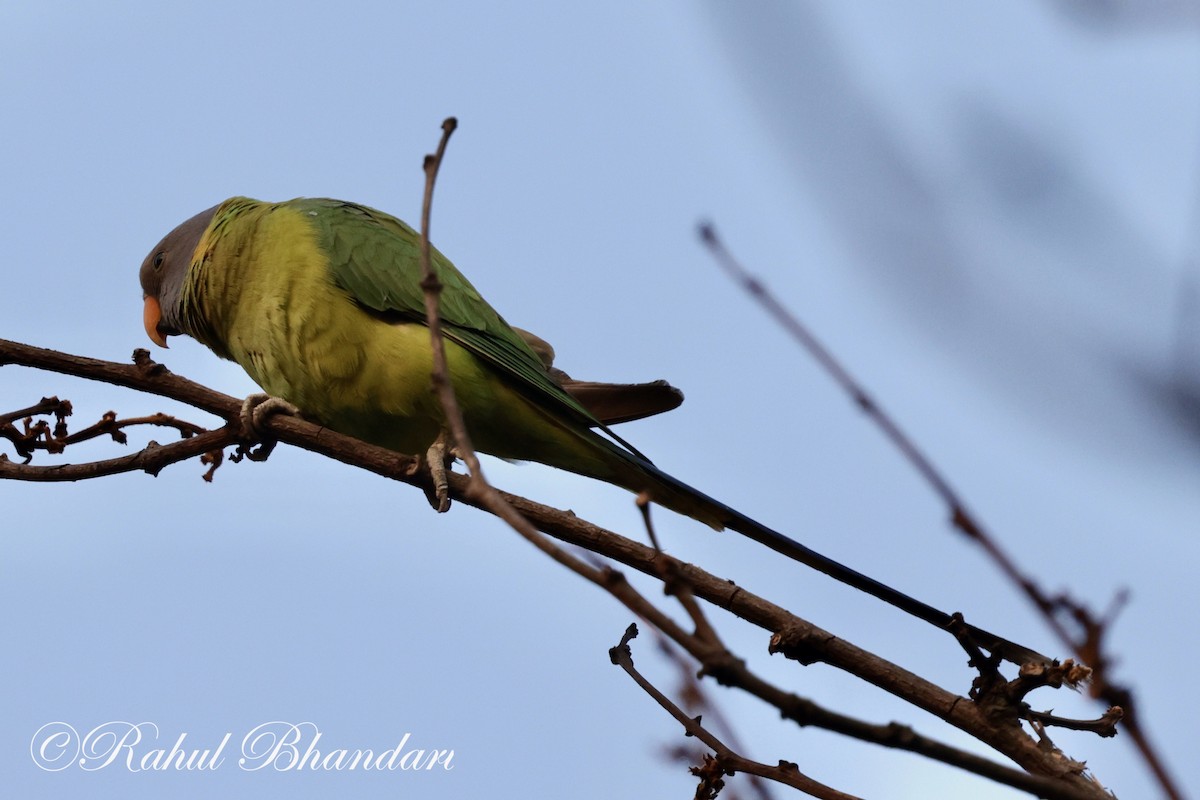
(163, 273)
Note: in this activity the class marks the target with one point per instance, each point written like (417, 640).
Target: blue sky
(989, 214)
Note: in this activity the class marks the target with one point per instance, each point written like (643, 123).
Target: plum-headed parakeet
(319, 301)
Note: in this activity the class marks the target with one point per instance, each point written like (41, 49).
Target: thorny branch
(1087, 642)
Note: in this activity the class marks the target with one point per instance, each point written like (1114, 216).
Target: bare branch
(1106, 725)
(1087, 642)
(151, 460)
(432, 288)
(37, 436)
(792, 636)
(727, 761)
(47, 405)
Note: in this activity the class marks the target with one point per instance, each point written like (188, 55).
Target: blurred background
(988, 213)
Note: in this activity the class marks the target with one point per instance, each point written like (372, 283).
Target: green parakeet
(319, 301)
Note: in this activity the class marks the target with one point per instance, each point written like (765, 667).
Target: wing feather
(376, 258)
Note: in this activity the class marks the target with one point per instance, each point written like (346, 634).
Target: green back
(376, 258)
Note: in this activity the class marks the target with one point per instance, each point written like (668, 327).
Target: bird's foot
(439, 457)
(255, 410)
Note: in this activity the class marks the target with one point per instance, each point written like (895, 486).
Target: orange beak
(151, 316)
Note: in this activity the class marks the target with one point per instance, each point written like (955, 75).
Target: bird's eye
(159, 258)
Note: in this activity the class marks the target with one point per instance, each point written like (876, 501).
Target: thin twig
(108, 425)
(152, 460)
(1088, 645)
(1106, 725)
(696, 698)
(432, 288)
(728, 761)
(478, 488)
(960, 516)
(44, 406)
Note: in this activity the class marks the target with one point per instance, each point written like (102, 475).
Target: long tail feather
(678, 496)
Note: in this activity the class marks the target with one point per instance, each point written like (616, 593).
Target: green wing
(376, 258)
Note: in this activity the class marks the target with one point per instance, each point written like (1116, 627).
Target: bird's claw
(255, 409)
(439, 457)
